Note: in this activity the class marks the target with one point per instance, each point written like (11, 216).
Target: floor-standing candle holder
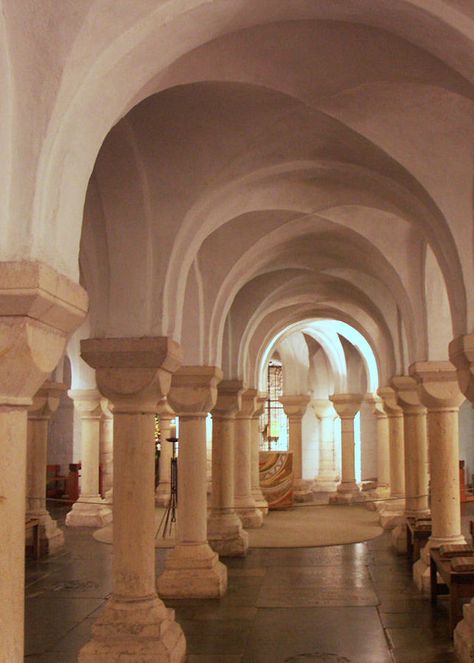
(168, 520)
(272, 439)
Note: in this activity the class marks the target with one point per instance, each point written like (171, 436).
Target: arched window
(274, 422)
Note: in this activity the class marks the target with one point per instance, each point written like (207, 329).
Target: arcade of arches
(190, 189)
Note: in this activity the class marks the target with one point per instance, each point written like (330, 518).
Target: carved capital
(133, 373)
(295, 405)
(89, 403)
(438, 384)
(323, 408)
(39, 308)
(229, 398)
(46, 400)
(390, 403)
(194, 390)
(346, 405)
(461, 353)
(407, 394)
(249, 404)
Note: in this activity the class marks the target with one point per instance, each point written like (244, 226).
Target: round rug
(299, 527)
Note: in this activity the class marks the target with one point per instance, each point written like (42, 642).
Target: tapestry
(276, 478)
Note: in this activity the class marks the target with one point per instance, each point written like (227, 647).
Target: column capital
(39, 308)
(407, 394)
(323, 408)
(461, 353)
(46, 400)
(390, 403)
(249, 404)
(346, 405)
(88, 402)
(194, 390)
(261, 401)
(229, 398)
(295, 405)
(133, 373)
(164, 409)
(438, 384)
(376, 403)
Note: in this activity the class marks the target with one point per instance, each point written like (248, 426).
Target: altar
(276, 478)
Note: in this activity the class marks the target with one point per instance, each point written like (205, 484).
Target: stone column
(255, 436)
(416, 455)
(461, 353)
(106, 458)
(245, 506)
(163, 490)
(383, 449)
(224, 527)
(193, 569)
(39, 309)
(90, 510)
(397, 445)
(347, 406)
(135, 626)
(440, 393)
(327, 478)
(45, 403)
(294, 408)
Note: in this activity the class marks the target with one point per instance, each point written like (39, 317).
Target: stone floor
(341, 604)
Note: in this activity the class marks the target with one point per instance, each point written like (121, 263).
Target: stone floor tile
(313, 586)
(332, 635)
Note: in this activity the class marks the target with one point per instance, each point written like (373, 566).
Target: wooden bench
(33, 524)
(417, 537)
(459, 585)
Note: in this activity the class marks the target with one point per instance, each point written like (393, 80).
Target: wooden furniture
(459, 585)
(33, 525)
(55, 483)
(466, 495)
(417, 537)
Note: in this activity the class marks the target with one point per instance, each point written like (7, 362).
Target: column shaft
(193, 569)
(347, 406)
(255, 436)
(163, 490)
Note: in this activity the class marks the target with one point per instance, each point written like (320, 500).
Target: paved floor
(342, 604)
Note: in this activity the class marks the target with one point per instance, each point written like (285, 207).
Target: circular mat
(299, 527)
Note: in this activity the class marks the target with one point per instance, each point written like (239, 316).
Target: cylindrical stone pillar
(134, 374)
(245, 506)
(383, 449)
(416, 447)
(193, 569)
(90, 510)
(440, 394)
(255, 437)
(347, 406)
(461, 353)
(39, 309)
(327, 478)
(224, 527)
(397, 444)
(107, 451)
(45, 403)
(295, 408)
(163, 490)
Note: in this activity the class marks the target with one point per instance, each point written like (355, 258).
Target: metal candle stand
(169, 517)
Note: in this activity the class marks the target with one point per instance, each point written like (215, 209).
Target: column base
(421, 568)
(226, 536)
(346, 493)
(464, 636)
(260, 502)
(135, 632)
(302, 491)
(90, 511)
(163, 494)
(193, 571)
(399, 538)
(324, 485)
(392, 513)
(250, 516)
(51, 536)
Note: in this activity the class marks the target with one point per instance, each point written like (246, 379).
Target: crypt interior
(245, 225)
